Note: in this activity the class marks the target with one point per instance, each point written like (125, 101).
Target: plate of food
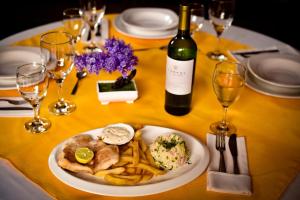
(119, 160)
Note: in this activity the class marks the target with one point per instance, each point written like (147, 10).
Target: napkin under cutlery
(228, 182)
(10, 110)
(14, 185)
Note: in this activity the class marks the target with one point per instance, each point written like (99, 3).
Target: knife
(234, 153)
(15, 108)
(253, 52)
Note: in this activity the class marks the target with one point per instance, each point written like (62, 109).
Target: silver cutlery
(145, 49)
(80, 75)
(15, 108)
(220, 146)
(234, 153)
(254, 52)
(14, 101)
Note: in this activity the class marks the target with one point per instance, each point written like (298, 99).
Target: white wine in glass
(197, 17)
(228, 81)
(32, 83)
(221, 14)
(57, 54)
(73, 22)
(93, 13)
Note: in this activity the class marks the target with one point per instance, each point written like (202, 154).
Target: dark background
(276, 18)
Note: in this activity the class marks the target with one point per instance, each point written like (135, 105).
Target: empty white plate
(150, 19)
(120, 27)
(275, 74)
(11, 58)
(280, 70)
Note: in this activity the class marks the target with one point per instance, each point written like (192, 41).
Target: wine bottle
(180, 69)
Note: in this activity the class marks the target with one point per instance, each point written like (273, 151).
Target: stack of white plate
(147, 23)
(10, 59)
(275, 74)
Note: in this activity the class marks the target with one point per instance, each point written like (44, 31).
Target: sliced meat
(72, 166)
(105, 157)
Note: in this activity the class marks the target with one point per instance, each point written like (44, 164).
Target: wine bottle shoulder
(182, 48)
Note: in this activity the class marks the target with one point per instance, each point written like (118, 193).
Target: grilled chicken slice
(105, 157)
(72, 166)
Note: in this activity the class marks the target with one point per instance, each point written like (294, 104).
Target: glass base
(216, 55)
(220, 127)
(39, 125)
(62, 107)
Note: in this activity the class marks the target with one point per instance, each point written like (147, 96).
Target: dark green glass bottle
(180, 69)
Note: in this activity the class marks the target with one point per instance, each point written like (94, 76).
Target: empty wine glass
(197, 17)
(93, 13)
(221, 16)
(32, 83)
(228, 81)
(57, 54)
(73, 23)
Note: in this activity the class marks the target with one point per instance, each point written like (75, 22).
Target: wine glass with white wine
(93, 13)
(197, 17)
(57, 54)
(32, 83)
(228, 81)
(221, 14)
(73, 22)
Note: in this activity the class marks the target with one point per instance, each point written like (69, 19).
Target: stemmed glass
(73, 23)
(57, 54)
(93, 13)
(221, 16)
(32, 83)
(228, 81)
(197, 17)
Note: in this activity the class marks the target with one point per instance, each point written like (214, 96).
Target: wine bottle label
(179, 76)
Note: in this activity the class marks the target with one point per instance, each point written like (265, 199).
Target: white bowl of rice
(169, 151)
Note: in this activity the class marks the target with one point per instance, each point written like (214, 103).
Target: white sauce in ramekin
(117, 134)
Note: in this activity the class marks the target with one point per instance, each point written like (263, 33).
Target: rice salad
(169, 151)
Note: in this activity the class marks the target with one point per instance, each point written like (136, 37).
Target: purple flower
(117, 57)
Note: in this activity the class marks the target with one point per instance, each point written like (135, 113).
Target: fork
(14, 102)
(220, 146)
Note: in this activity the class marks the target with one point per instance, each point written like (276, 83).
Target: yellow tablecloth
(271, 125)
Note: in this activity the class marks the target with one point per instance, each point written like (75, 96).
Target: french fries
(136, 164)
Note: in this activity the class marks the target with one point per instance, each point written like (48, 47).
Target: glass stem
(224, 124)
(60, 91)
(93, 36)
(218, 43)
(36, 110)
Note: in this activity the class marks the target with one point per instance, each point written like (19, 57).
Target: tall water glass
(221, 14)
(57, 54)
(32, 83)
(93, 13)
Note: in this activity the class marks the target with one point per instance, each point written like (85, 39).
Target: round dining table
(269, 124)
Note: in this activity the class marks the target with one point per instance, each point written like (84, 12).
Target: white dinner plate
(149, 19)
(199, 159)
(252, 83)
(119, 26)
(10, 58)
(281, 70)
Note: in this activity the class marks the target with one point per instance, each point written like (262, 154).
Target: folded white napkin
(14, 185)
(104, 31)
(228, 182)
(14, 113)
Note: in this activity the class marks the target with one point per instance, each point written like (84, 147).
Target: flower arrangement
(117, 56)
